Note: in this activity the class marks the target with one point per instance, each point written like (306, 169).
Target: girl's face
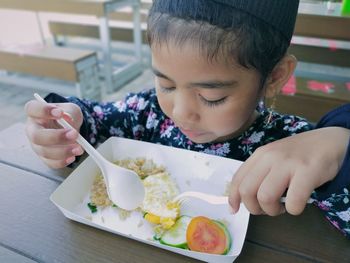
(208, 101)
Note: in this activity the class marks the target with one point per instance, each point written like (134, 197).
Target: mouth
(192, 133)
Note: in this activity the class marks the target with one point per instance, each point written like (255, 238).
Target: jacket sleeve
(124, 118)
(339, 117)
(334, 197)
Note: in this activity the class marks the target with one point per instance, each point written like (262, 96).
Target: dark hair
(227, 31)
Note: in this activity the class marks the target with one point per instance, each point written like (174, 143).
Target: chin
(210, 138)
(203, 140)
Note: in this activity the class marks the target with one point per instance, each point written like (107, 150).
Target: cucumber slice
(176, 235)
(227, 234)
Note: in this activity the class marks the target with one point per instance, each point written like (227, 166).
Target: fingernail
(70, 134)
(67, 116)
(70, 160)
(232, 211)
(77, 151)
(56, 112)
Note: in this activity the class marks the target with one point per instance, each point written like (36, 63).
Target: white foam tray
(191, 170)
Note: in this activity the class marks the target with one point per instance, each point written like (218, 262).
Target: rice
(99, 196)
(142, 166)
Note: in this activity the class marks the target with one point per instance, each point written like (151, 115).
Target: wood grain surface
(33, 229)
(33, 226)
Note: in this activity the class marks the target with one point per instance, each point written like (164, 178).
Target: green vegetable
(228, 236)
(156, 237)
(176, 235)
(92, 207)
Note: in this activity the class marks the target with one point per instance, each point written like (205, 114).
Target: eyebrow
(160, 74)
(214, 84)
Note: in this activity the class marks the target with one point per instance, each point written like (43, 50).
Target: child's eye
(167, 89)
(213, 103)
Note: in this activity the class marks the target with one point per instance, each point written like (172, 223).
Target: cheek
(231, 118)
(165, 102)
(226, 124)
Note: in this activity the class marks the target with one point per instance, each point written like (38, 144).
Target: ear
(280, 75)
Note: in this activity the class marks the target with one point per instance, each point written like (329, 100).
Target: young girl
(214, 62)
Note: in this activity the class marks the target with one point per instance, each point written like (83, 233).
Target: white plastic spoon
(124, 187)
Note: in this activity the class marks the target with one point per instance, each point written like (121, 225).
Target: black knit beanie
(280, 14)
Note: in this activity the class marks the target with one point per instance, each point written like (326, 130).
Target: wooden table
(101, 9)
(34, 230)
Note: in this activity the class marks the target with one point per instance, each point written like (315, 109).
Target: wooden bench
(65, 70)
(121, 26)
(122, 33)
(99, 11)
(321, 44)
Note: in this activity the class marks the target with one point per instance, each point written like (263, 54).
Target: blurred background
(97, 49)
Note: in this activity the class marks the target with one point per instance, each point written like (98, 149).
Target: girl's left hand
(297, 164)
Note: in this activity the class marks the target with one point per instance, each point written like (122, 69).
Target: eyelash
(213, 103)
(167, 90)
(210, 103)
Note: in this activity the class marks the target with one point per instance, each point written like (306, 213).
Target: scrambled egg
(160, 191)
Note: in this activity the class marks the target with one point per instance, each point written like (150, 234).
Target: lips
(191, 133)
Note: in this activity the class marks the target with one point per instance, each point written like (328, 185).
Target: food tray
(191, 171)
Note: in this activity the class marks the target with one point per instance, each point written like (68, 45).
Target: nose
(184, 108)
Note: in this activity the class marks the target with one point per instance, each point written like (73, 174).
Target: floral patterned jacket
(139, 117)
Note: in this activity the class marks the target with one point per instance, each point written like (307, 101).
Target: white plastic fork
(213, 199)
(124, 187)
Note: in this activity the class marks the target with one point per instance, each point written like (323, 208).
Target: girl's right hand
(295, 165)
(55, 145)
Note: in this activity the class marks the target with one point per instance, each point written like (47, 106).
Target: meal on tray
(198, 233)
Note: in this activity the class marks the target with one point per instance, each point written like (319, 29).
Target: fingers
(46, 137)
(60, 152)
(299, 191)
(46, 113)
(259, 184)
(243, 185)
(39, 110)
(260, 189)
(250, 186)
(271, 189)
(294, 163)
(57, 164)
(55, 145)
(59, 157)
(234, 195)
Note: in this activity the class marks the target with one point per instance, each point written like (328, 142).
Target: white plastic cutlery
(124, 187)
(213, 199)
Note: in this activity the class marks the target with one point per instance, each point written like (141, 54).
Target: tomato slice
(204, 235)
